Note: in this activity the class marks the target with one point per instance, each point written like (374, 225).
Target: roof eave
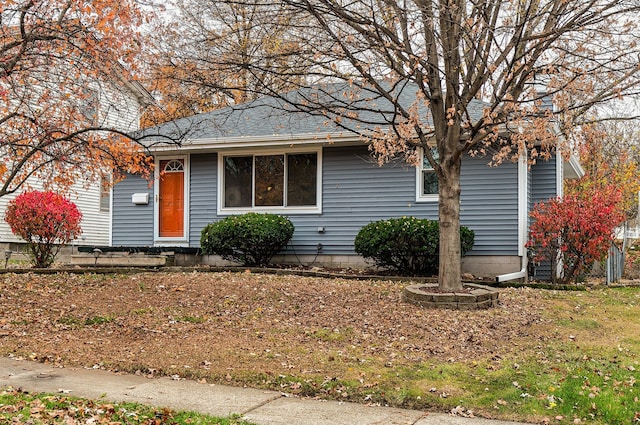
(572, 168)
(291, 140)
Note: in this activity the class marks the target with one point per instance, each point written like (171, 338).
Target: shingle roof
(274, 116)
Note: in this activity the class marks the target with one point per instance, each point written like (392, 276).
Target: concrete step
(122, 259)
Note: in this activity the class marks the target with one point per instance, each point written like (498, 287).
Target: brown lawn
(250, 329)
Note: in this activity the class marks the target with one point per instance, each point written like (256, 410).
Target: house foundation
(478, 266)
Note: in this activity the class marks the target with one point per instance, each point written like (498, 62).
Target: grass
(190, 319)
(19, 407)
(89, 321)
(587, 371)
(329, 335)
(579, 377)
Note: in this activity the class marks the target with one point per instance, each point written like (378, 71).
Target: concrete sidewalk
(257, 406)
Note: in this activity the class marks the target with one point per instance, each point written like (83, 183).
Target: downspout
(515, 275)
(523, 209)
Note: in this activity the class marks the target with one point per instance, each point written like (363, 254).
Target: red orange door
(171, 203)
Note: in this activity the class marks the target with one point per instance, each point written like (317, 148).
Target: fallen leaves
(233, 327)
(462, 411)
(230, 307)
(329, 338)
(21, 407)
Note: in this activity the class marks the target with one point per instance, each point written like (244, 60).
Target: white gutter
(262, 141)
(523, 200)
(259, 141)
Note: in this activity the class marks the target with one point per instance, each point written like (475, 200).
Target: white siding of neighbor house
(95, 224)
(119, 109)
(355, 192)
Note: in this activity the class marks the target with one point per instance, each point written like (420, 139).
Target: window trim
(315, 209)
(420, 196)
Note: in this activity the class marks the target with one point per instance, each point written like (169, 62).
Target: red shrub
(575, 231)
(43, 219)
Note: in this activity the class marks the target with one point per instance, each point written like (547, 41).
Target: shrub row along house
(262, 157)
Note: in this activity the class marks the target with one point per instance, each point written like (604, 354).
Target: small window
(302, 179)
(88, 105)
(238, 174)
(271, 181)
(105, 193)
(173, 166)
(427, 178)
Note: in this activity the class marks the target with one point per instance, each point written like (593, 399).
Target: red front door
(171, 203)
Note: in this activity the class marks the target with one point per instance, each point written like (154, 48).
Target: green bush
(407, 245)
(251, 239)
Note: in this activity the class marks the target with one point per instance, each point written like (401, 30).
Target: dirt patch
(247, 328)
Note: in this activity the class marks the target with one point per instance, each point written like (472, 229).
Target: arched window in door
(175, 165)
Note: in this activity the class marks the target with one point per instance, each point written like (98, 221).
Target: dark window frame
(265, 192)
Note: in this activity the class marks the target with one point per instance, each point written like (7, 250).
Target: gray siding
(202, 194)
(543, 186)
(490, 206)
(543, 181)
(355, 192)
(132, 225)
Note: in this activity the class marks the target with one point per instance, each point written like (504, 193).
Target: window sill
(272, 210)
(427, 198)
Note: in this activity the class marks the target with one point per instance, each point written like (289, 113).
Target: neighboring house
(633, 232)
(117, 104)
(632, 229)
(325, 181)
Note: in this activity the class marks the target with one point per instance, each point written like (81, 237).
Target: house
(325, 181)
(113, 104)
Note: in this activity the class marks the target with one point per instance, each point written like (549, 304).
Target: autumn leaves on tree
(573, 232)
(58, 61)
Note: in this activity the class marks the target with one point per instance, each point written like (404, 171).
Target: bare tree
(208, 54)
(453, 53)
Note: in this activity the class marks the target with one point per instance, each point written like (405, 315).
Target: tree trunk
(449, 277)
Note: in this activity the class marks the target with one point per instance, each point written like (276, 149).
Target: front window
(238, 174)
(427, 178)
(270, 181)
